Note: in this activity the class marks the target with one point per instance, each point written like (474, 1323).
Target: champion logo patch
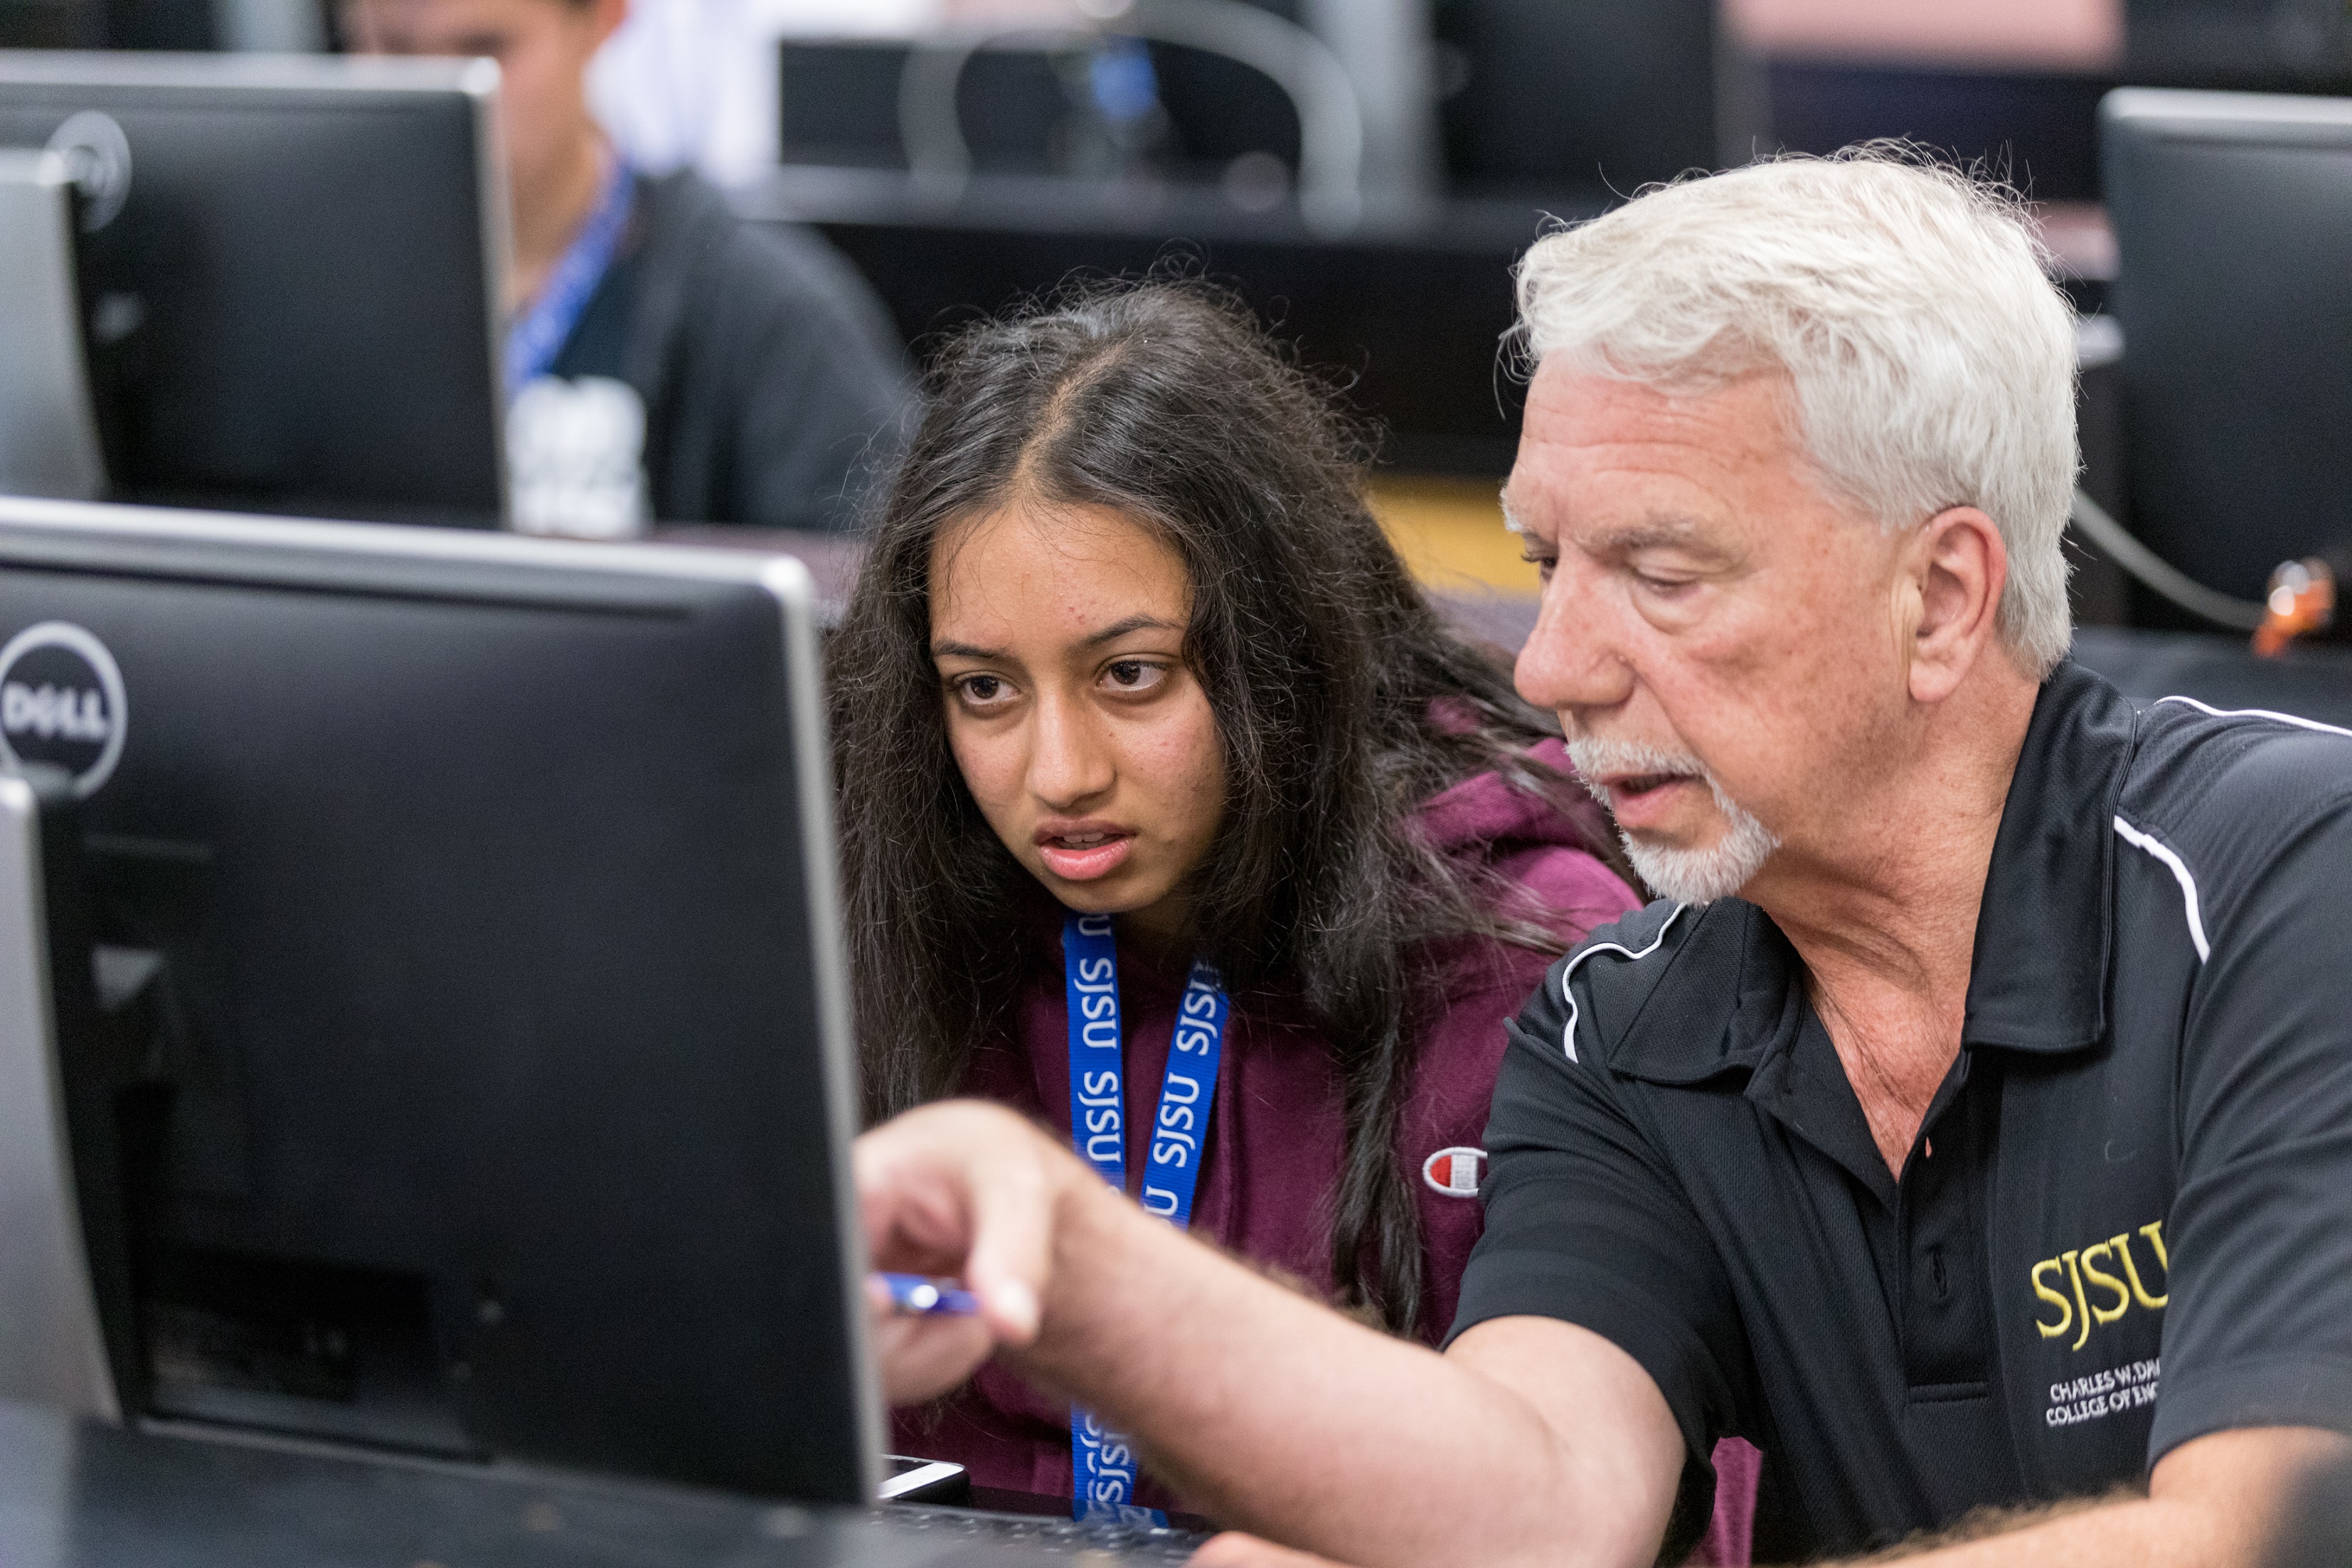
(1454, 1172)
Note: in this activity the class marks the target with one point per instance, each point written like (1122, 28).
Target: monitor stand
(52, 1349)
(90, 1322)
(48, 428)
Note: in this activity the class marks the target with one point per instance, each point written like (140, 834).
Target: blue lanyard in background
(1102, 1462)
(537, 335)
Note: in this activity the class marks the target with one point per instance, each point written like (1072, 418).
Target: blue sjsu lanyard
(1102, 1476)
(537, 335)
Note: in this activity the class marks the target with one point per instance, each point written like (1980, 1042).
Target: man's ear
(1958, 565)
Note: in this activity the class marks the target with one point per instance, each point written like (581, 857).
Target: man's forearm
(2222, 1501)
(1531, 1441)
(1279, 1416)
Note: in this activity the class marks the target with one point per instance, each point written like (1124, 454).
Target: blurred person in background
(664, 360)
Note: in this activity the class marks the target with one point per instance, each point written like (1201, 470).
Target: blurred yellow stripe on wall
(1450, 533)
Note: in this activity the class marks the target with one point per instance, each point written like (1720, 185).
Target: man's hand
(1265, 1408)
(965, 1189)
(1235, 1550)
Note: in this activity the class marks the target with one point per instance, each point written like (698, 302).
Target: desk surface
(79, 1494)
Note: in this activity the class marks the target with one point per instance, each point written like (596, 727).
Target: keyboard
(1042, 1534)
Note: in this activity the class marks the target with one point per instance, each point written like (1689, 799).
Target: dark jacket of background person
(1272, 1158)
(772, 381)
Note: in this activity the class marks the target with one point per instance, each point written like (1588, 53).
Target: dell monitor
(2232, 214)
(291, 270)
(450, 1043)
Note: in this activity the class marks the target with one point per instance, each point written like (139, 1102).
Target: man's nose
(1574, 659)
(1069, 763)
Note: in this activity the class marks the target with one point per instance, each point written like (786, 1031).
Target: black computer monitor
(1595, 99)
(441, 939)
(2263, 45)
(290, 273)
(2234, 218)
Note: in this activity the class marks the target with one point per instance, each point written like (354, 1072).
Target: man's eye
(1542, 561)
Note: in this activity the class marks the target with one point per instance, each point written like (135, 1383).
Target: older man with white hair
(1969, 1123)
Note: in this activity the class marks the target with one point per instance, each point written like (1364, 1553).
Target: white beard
(1685, 876)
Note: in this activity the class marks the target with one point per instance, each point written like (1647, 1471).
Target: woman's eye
(1134, 674)
(980, 688)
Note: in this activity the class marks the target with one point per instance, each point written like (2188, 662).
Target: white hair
(1685, 872)
(1932, 361)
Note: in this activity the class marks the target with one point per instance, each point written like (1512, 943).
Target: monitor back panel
(499, 1119)
(2233, 215)
(287, 295)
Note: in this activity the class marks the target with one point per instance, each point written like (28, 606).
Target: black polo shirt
(2128, 1221)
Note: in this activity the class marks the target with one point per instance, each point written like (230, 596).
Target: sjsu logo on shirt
(2088, 1295)
(1454, 1171)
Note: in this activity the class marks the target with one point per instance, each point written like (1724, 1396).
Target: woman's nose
(1068, 761)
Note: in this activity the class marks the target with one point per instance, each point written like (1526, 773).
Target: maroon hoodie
(1270, 1163)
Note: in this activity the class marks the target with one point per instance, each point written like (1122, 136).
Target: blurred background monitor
(2269, 44)
(1520, 97)
(444, 945)
(1536, 97)
(289, 270)
(2232, 214)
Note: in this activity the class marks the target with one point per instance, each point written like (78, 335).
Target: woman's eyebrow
(946, 648)
(1118, 628)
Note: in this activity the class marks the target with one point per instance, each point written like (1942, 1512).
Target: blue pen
(922, 1296)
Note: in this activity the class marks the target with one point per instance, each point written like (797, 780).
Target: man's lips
(1083, 852)
(1641, 800)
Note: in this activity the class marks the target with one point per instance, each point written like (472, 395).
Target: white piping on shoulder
(2256, 713)
(2138, 839)
(1567, 1035)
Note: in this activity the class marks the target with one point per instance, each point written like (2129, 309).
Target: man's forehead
(1749, 415)
(1632, 503)
(1626, 453)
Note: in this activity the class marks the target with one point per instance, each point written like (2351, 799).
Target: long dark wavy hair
(1342, 700)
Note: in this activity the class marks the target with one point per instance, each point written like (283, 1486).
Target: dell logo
(51, 711)
(61, 703)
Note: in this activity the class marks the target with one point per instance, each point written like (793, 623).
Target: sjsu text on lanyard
(1103, 1462)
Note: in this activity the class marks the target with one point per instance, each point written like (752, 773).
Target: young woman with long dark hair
(1156, 764)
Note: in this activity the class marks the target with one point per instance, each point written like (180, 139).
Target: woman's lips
(1084, 857)
(1640, 800)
